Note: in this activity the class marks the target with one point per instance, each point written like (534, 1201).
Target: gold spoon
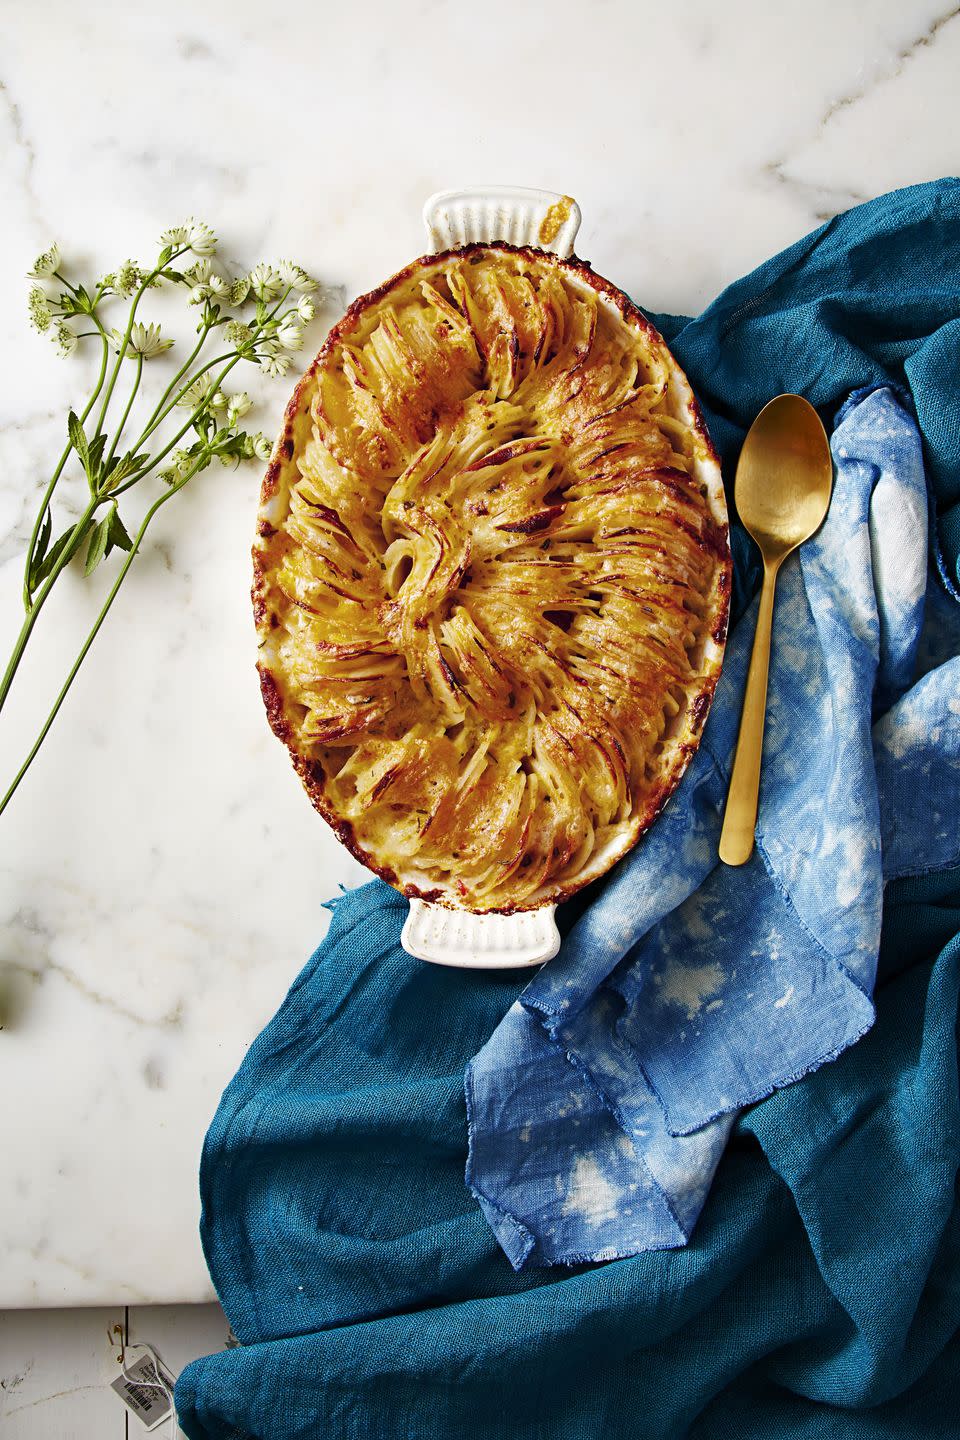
(782, 491)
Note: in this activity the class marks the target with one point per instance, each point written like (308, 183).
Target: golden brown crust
(705, 535)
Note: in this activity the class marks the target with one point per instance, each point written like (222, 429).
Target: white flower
(200, 237)
(238, 407)
(39, 307)
(275, 365)
(144, 340)
(127, 278)
(265, 282)
(147, 341)
(46, 263)
(206, 282)
(218, 400)
(196, 394)
(67, 339)
(178, 465)
(305, 309)
(199, 273)
(262, 446)
(290, 335)
(239, 290)
(295, 277)
(175, 236)
(238, 334)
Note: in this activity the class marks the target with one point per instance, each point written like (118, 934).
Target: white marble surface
(56, 1366)
(161, 875)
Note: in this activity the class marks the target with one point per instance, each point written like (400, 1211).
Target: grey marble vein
(923, 41)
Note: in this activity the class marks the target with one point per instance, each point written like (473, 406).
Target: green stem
(38, 603)
(52, 485)
(138, 539)
(123, 419)
(162, 455)
(121, 353)
(164, 408)
(159, 413)
(157, 419)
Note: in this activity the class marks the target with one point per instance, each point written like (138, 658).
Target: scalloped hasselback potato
(491, 578)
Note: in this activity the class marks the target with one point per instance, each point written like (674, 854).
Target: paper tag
(142, 1393)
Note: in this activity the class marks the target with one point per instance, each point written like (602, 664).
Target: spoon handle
(740, 816)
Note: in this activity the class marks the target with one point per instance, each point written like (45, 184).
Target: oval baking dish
(491, 578)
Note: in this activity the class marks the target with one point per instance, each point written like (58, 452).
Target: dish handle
(480, 942)
(486, 213)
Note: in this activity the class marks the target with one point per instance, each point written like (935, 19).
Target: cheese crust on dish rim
(491, 577)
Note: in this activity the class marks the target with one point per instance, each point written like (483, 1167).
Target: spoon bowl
(782, 493)
(784, 477)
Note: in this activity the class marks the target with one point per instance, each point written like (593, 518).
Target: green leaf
(43, 539)
(117, 534)
(45, 568)
(90, 451)
(78, 440)
(95, 452)
(98, 545)
(40, 550)
(121, 468)
(164, 255)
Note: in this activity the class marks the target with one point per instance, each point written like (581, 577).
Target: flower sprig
(257, 318)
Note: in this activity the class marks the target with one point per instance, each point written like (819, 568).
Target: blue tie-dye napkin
(599, 1108)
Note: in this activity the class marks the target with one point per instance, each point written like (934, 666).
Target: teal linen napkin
(820, 1294)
